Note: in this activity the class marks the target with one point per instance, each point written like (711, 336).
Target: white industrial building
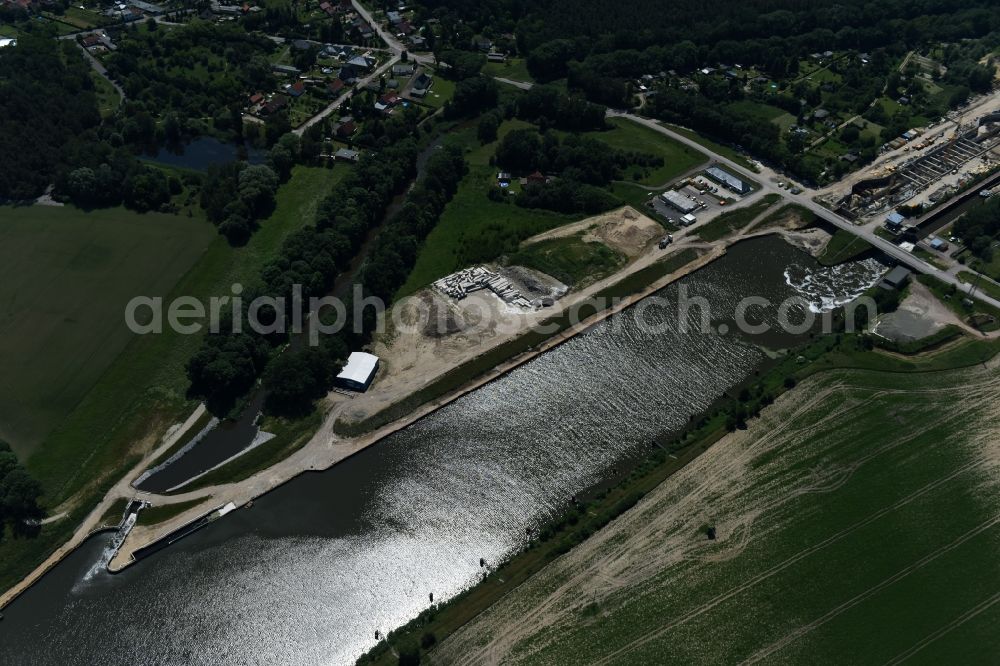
(359, 371)
(723, 177)
(678, 201)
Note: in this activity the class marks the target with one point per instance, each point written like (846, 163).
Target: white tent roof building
(359, 371)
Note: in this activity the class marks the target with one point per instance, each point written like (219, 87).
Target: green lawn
(570, 259)
(677, 158)
(514, 69)
(734, 220)
(65, 278)
(108, 98)
(440, 92)
(474, 229)
(854, 541)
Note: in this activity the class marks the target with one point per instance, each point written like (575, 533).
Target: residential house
(404, 28)
(536, 178)
(345, 127)
(421, 85)
(417, 42)
(496, 57)
(346, 155)
(274, 105)
(296, 89)
(402, 69)
(394, 17)
(335, 87)
(256, 99)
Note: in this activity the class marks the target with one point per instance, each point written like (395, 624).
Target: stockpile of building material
(460, 284)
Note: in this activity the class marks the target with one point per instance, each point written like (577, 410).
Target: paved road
(394, 44)
(768, 179)
(335, 104)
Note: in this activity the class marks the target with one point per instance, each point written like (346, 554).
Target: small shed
(896, 278)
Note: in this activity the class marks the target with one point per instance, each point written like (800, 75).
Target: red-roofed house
(297, 89)
(335, 87)
(537, 178)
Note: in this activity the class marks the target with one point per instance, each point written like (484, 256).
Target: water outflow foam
(112, 548)
(828, 288)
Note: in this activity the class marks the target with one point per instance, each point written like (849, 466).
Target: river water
(313, 569)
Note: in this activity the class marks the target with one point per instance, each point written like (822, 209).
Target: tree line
(19, 495)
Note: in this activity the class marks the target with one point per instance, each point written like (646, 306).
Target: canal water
(313, 569)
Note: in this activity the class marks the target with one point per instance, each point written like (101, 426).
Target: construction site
(926, 166)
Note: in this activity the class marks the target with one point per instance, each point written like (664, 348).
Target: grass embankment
(631, 136)
(467, 372)
(971, 310)
(843, 247)
(985, 286)
(142, 391)
(792, 215)
(861, 433)
(163, 512)
(732, 221)
(714, 147)
(570, 259)
(114, 514)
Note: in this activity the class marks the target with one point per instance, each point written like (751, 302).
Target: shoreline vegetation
(949, 349)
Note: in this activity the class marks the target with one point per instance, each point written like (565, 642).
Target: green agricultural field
(142, 392)
(570, 259)
(65, 278)
(677, 158)
(856, 521)
(475, 229)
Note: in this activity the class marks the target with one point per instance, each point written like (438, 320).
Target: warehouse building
(728, 180)
(358, 372)
(676, 200)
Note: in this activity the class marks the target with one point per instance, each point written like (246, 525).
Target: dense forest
(48, 111)
(980, 228)
(600, 52)
(19, 495)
